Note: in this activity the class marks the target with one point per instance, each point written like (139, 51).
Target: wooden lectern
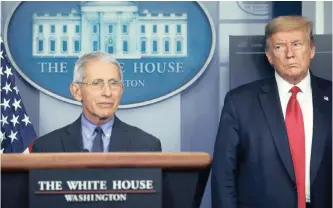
(183, 175)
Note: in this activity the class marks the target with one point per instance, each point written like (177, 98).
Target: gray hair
(78, 74)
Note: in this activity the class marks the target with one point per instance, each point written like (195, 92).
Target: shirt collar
(88, 127)
(284, 86)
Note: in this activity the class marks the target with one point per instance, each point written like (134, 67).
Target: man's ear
(76, 91)
(269, 57)
(312, 50)
(122, 90)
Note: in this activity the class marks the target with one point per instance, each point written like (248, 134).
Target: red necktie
(296, 135)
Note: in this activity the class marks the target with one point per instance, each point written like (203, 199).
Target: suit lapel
(320, 127)
(73, 140)
(119, 141)
(271, 105)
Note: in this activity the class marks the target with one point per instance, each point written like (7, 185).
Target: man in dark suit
(274, 143)
(98, 85)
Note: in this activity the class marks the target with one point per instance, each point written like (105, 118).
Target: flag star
(5, 103)
(8, 71)
(1, 39)
(1, 151)
(1, 57)
(14, 120)
(1, 73)
(16, 104)
(16, 90)
(12, 136)
(4, 120)
(26, 120)
(7, 88)
(2, 136)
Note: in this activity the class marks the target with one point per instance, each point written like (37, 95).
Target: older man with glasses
(97, 84)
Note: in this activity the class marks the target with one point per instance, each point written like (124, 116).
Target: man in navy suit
(98, 85)
(274, 143)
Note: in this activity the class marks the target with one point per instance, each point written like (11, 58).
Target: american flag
(17, 132)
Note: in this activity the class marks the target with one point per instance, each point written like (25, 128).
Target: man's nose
(289, 51)
(107, 91)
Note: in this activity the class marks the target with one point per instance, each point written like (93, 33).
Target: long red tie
(296, 135)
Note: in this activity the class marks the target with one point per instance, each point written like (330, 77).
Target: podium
(182, 176)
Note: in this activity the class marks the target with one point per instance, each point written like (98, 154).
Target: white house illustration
(117, 28)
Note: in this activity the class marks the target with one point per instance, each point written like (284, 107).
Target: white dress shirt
(304, 98)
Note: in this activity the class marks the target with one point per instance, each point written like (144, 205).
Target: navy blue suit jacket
(124, 138)
(252, 165)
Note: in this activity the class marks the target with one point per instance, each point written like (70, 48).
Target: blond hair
(288, 23)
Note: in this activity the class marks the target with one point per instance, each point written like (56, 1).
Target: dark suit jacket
(124, 138)
(252, 164)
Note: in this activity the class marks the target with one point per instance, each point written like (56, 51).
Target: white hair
(78, 74)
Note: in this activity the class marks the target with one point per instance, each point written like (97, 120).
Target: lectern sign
(119, 187)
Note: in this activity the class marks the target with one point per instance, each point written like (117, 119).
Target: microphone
(85, 150)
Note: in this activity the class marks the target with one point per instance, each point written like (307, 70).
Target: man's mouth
(292, 65)
(105, 104)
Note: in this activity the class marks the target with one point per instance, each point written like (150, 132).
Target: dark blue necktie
(98, 142)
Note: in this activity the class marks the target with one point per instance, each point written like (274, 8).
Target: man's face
(100, 101)
(290, 52)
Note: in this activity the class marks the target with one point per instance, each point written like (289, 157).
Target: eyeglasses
(100, 83)
(282, 47)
